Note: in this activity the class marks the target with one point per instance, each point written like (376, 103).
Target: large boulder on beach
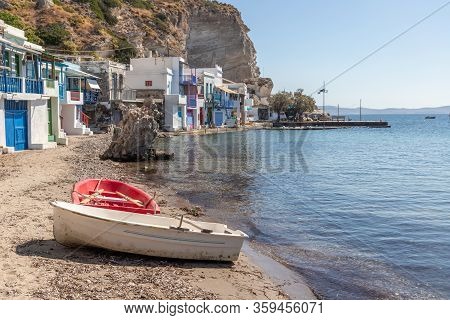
(134, 138)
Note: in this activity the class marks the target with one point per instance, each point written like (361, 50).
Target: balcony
(73, 96)
(11, 84)
(188, 80)
(248, 102)
(192, 101)
(129, 95)
(116, 95)
(50, 87)
(217, 97)
(228, 104)
(34, 86)
(175, 99)
(91, 97)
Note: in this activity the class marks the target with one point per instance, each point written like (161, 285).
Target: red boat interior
(114, 195)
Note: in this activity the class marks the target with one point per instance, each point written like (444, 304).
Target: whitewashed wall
(2, 124)
(37, 124)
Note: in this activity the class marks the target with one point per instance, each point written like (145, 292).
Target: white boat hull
(150, 235)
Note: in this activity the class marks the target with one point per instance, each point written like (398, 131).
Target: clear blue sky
(302, 43)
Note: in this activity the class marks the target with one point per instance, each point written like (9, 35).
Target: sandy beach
(34, 266)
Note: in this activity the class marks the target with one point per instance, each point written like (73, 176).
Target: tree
(280, 101)
(303, 103)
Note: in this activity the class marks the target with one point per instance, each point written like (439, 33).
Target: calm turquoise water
(359, 213)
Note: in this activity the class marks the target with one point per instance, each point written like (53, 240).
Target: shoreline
(34, 266)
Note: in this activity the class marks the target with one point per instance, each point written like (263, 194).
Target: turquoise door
(16, 124)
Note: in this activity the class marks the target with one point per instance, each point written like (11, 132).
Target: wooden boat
(114, 195)
(151, 235)
(430, 117)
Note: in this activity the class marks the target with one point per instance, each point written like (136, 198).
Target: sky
(301, 43)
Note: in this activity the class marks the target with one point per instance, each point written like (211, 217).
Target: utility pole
(360, 106)
(323, 91)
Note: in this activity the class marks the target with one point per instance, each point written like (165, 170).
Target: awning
(78, 73)
(18, 47)
(92, 84)
(225, 89)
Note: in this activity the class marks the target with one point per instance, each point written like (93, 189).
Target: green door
(51, 136)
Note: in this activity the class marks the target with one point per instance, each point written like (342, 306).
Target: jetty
(331, 124)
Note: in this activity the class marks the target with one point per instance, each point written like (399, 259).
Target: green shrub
(212, 4)
(102, 9)
(17, 22)
(112, 3)
(161, 16)
(12, 20)
(127, 52)
(53, 34)
(141, 4)
(70, 46)
(161, 22)
(32, 36)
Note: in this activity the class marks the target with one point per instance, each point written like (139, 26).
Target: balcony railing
(129, 95)
(84, 119)
(75, 95)
(116, 94)
(188, 80)
(192, 101)
(217, 97)
(91, 97)
(227, 104)
(62, 91)
(50, 83)
(11, 84)
(34, 86)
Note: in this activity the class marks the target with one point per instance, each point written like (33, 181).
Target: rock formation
(133, 139)
(203, 31)
(221, 39)
(44, 4)
(260, 89)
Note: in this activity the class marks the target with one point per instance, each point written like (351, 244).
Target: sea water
(360, 213)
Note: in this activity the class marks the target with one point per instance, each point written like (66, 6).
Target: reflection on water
(361, 213)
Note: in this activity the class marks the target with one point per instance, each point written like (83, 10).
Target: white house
(25, 106)
(210, 80)
(172, 79)
(78, 88)
(244, 104)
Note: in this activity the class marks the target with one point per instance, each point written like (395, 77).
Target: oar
(98, 184)
(136, 202)
(92, 196)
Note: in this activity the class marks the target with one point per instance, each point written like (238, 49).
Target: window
(169, 87)
(148, 83)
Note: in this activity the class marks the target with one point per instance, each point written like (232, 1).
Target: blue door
(16, 118)
(219, 119)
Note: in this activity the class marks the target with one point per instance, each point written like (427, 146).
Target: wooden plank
(92, 196)
(136, 202)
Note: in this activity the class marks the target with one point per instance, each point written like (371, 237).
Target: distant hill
(347, 111)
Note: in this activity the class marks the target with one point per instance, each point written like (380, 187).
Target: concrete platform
(333, 124)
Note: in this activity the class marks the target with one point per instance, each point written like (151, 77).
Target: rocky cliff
(222, 39)
(205, 32)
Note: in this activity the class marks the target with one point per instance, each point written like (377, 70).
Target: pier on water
(331, 124)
